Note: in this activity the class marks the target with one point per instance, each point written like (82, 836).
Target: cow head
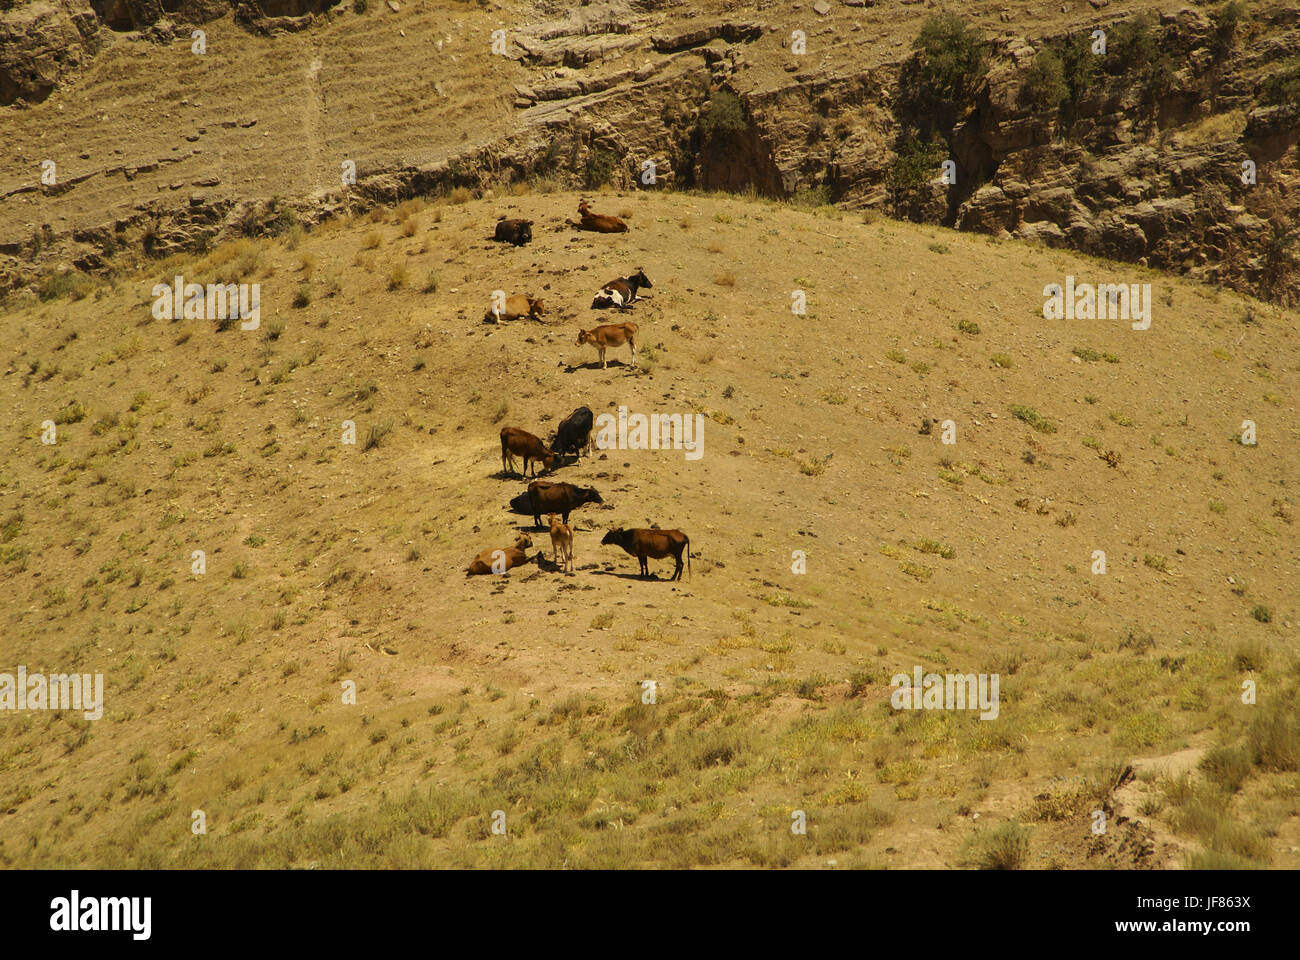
(536, 308)
(615, 536)
(641, 279)
(591, 496)
(584, 337)
(583, 209)
(525, 232)
(524, 541)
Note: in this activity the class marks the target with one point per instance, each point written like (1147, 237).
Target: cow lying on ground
(561, 498)
(655, 544)
(610, 335)
(599, 222)
(517, 306)
(503, 558)
(574, 433)
(521, 442)
(517, 232)
(621, 292)
(561, 543)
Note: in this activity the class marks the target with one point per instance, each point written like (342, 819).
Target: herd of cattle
(573, 437)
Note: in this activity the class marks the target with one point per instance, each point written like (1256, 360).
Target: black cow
(574, 433)
(546, 497)
(517, 232)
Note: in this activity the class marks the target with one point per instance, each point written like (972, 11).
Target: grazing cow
(516, 441)
(561, 498)
(504, 559)
(610, 335)
(621, 291)
(517, 306)
(561, 543)
(657, 544)
(517, 232)
(574, 433)
(599, 222)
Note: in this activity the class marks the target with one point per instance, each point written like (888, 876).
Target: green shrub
(723, 116)
(915, 164)
(1045, 86)
(954, 57)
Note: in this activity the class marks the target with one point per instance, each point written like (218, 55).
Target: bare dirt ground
(328, 562)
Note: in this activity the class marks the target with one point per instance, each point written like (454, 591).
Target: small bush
(723, 116)
(954, 57)
(1045, 85)
(1005, 847)
(1032, 417)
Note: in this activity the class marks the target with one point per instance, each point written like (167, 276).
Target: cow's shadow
(526, 478)
(595, 365)
(631, 576)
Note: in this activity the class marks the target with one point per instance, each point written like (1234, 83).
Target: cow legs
(632, 343)
(677, 572)
(602, 358)
(645, 568)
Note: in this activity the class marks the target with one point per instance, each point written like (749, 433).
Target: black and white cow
(622, 292)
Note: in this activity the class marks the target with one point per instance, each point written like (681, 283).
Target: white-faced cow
(517, 232)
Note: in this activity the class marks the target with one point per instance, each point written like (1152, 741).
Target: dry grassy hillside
(329, 563)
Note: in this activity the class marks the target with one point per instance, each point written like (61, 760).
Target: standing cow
(574, 433)
(655, 544)
(562, 498)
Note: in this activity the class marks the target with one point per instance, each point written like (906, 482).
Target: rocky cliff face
(1136, 156)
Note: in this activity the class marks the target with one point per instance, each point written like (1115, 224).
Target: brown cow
(504, 559)
(561, 543)
(562, 498)
(516, 441)
(599, 222)
(610, 335)
(656, 544)
(516, 307)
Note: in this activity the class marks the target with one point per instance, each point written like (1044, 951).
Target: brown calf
(599, 222)
(610, 335)
(517, 306)
(655, 544)
(561, 543)
(504, 559)
(521, 442)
